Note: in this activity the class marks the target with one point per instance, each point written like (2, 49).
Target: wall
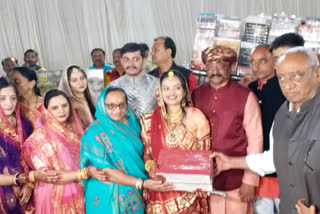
(65, 31)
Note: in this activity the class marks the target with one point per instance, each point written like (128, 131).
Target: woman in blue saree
(112, 143)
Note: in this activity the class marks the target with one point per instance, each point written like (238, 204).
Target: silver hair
(313, 60)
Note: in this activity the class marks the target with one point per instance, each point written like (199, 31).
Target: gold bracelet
(149, 164)
(83, 174)
(32, 178)
(86, 173)
(79, 174)
(15, 179)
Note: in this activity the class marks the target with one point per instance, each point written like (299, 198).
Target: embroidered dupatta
(11, 139)
(112, 144)
(55, 147)
(193, 133)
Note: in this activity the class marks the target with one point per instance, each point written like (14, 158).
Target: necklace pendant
(171, 140)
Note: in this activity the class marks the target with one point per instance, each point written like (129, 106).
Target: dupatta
(192, 133)
(112, 144)
(11, 139)
(80, 105)
(160, 128)
(55, 147)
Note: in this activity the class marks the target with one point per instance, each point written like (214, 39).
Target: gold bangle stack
(83, 174)
(149, 164)
(139, 183)
(32, 178)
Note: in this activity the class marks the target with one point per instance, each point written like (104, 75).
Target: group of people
(72, 152)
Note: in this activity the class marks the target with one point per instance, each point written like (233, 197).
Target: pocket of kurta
(312, 173)
(312, 156)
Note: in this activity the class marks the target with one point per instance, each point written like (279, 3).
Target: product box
(187, 170)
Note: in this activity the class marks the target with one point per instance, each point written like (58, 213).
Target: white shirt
(262, 163)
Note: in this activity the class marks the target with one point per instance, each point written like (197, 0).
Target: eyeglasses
(113, 106)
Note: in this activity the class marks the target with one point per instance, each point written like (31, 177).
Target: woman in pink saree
(54, 147)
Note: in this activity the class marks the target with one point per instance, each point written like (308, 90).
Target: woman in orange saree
(173, 125)
(30, 99)
(55, 145)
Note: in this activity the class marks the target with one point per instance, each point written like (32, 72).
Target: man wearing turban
(236, 128)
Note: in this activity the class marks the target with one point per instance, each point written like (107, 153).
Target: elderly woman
(113, 143)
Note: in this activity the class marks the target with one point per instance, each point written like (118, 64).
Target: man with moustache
(118, 71)
(235, 120)
(140, 87)
(30, 60)
(268, 92)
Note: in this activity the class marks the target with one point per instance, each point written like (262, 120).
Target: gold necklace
(174, 117)
(174, 133)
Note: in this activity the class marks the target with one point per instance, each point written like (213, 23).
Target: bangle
(32, 178)
(139, 183)
(82, 174)
(79, 174)
(15, 179)
(149, 164)
(85, 173)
